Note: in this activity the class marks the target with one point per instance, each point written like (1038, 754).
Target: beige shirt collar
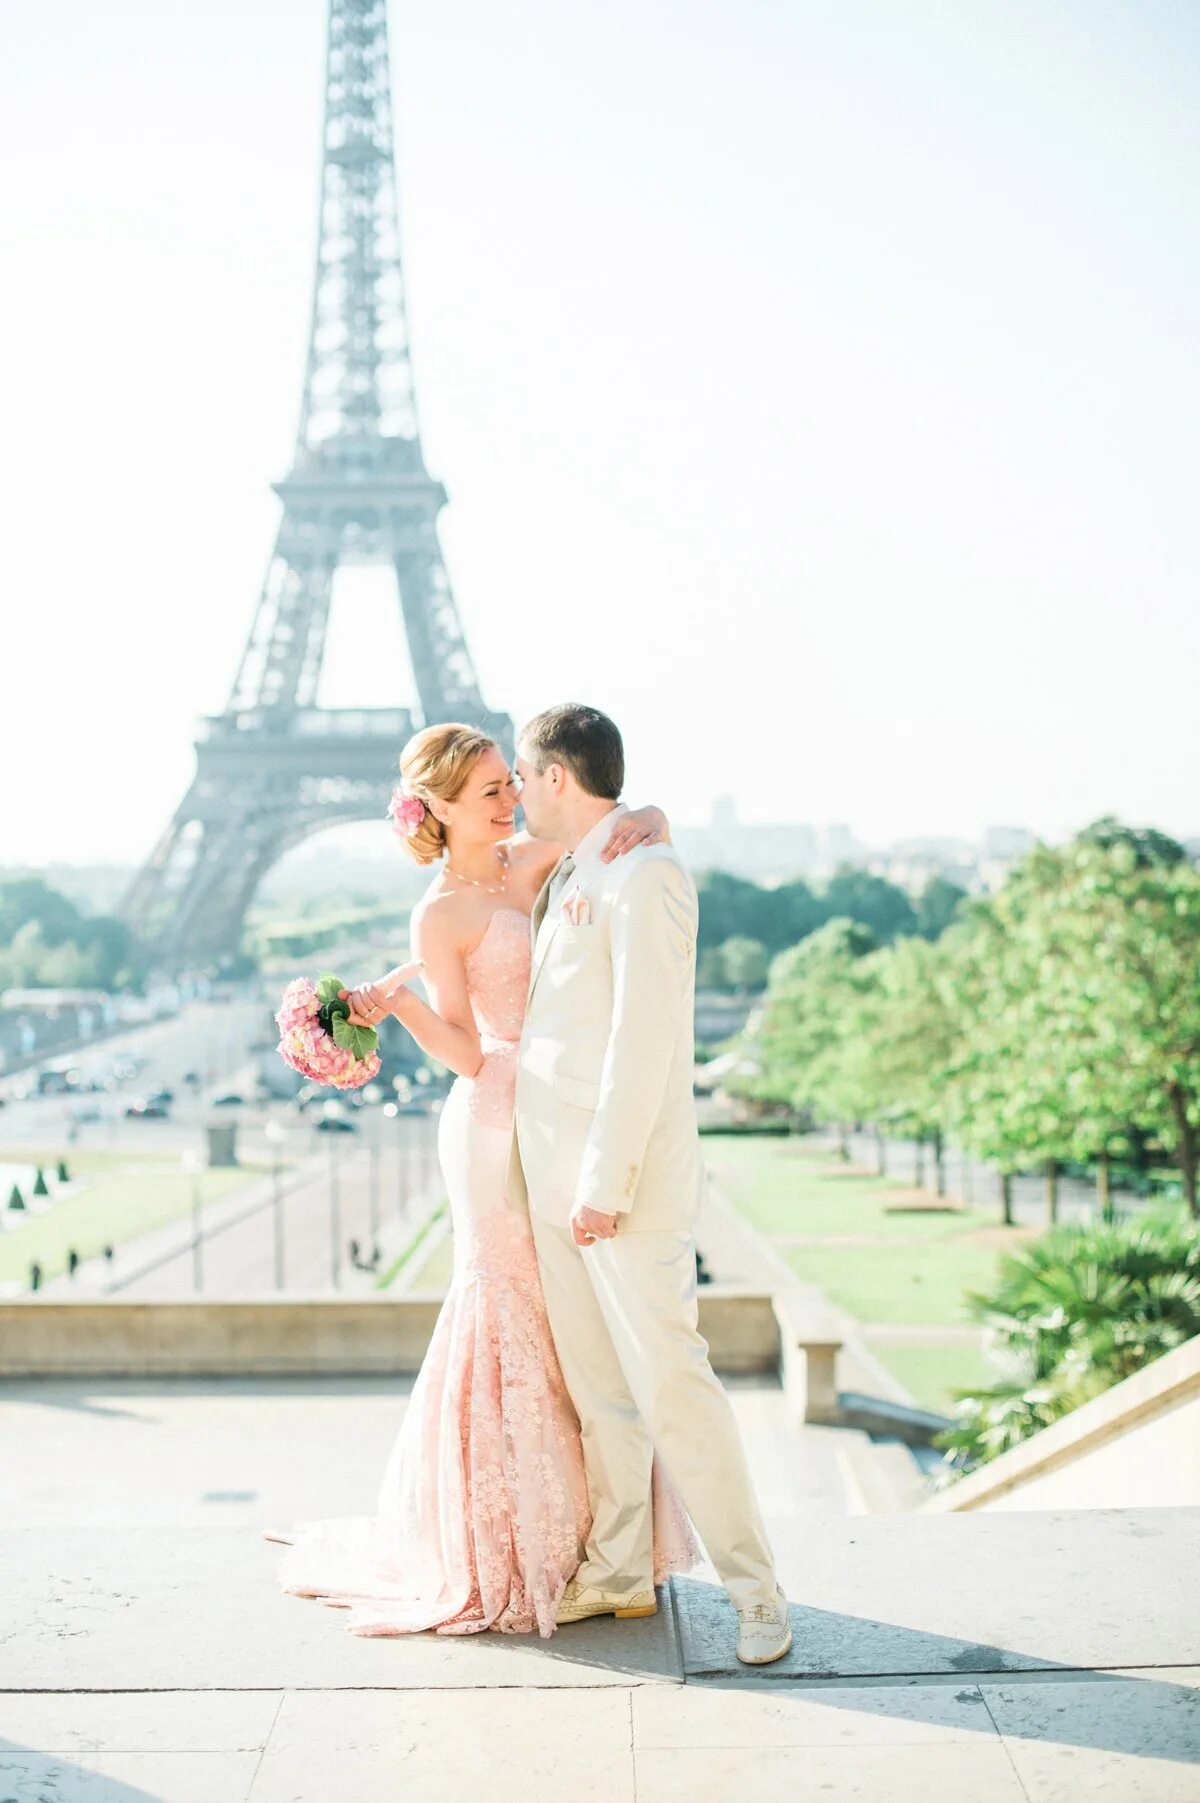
(596, 838)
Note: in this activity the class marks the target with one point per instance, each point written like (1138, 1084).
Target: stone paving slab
(758, 1713)
(128, 1777)
(1133, 1739)
(890, 1774)
(505, 1746)
(194, 1609)
(999, 1593)
(139, 1721)
(1039, 1738)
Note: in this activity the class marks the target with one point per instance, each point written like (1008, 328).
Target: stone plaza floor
(147, 1653)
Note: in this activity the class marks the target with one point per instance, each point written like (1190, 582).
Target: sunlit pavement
(146, 1652)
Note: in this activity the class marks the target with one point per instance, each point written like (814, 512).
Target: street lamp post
(403, 1089)
(372, 1095)
(333, 1111)
(422, 1147)
(191, 1164)
(274, 1132)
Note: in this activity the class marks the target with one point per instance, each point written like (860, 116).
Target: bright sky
(815, 382)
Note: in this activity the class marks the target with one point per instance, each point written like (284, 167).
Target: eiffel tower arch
(274, 768)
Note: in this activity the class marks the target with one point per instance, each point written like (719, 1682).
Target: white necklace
(488, 888)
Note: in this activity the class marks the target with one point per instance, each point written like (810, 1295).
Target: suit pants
(624, 1317)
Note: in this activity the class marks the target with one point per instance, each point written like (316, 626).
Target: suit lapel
(541, 941)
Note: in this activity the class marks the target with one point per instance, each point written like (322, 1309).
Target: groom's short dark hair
(583, 739)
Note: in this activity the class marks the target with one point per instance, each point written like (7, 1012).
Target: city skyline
(844, 452)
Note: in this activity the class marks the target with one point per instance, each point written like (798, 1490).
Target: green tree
(854, 894)
(802, 1040)
(1071, 1314)
(1148, 845)
(938, 906)
(1008, 1085)
(46, 942)
(26, 899)
(908, 1029)
(1129, 988)
(745, 963)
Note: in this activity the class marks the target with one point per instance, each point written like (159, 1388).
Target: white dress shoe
(764, 1632)
(580, 1601)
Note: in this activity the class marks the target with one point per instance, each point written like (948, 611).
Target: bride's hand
(373, 1002)
(641, 826)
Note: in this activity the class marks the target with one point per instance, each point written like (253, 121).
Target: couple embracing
(566, 1429)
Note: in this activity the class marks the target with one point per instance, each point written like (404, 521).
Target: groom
(605, 1153)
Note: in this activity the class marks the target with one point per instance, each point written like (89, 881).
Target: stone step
(881, 1477)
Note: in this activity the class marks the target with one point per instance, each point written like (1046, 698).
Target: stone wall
(308, 1335)
(1137, 1444)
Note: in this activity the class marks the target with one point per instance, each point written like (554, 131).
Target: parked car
(232, 1100)
(166, 1096)
(333, 1124)
(147, 1111)
(90, 1111)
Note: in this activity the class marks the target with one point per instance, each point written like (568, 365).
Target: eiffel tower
(274, 768)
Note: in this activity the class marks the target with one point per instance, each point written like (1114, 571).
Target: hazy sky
(815, 385)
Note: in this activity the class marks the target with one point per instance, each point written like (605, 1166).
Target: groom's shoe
(764, 1632)
(580, 1601)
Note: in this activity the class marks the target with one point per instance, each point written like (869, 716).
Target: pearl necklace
(487, 888)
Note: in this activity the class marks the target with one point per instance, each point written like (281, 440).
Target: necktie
(562, 877)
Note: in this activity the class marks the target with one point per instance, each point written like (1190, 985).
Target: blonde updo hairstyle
(434, 765)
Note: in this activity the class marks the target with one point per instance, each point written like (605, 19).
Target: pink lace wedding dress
(483, 1510)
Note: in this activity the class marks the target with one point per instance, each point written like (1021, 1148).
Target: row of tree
(47, 942)
(731, 907)
(1055, 1022)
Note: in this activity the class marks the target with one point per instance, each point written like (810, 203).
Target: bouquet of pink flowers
(317, 1039)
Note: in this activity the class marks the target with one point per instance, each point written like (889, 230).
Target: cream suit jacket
(604, 1105)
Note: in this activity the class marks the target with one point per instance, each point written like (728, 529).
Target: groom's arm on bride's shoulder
(653, 937)
(445, 1025)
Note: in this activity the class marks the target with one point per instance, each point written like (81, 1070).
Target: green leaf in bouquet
(328, 986)
(359, 1040)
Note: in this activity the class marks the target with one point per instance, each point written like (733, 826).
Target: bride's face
(482, 813)
(537, 792)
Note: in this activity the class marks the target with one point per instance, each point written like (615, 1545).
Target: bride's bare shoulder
(534, 857)
(440, 915)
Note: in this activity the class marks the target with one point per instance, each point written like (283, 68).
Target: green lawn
(127, 1194)
(416, 1251)
(894, 1269)
(435, 1273)
(931, 1373)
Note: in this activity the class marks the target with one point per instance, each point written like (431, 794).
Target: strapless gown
(483, 1510)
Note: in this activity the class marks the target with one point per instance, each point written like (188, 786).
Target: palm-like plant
(1071, 1315)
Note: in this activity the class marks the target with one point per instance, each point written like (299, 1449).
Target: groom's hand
(588, 1225)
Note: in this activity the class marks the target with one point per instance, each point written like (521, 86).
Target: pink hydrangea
(406, 812)
(305, 1045)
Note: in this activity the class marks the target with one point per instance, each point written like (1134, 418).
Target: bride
(483, 1510)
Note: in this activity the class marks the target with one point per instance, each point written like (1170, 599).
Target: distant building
(767, 853)
(1007, 842)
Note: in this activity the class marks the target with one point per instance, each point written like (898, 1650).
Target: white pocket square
(577, 909)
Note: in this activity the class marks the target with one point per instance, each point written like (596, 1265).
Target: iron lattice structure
(274, 768)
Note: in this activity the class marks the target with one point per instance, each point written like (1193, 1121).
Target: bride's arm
(444, 1027)
(640, 826)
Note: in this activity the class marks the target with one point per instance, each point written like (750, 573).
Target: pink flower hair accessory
(406, 812)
